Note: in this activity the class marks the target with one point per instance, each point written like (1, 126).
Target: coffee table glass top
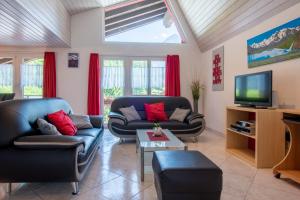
(146, 143)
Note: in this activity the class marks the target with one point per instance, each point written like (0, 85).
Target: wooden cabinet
(268, 143)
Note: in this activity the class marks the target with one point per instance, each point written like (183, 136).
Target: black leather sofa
(7, 96)
(28, 156)
(193, 125)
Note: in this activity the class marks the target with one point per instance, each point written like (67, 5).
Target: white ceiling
(76, 6)
(212, 21)
(23, 25)
(215, 21)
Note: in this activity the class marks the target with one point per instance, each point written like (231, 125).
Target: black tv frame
(256, 104)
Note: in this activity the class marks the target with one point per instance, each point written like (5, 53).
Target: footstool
(186, 175)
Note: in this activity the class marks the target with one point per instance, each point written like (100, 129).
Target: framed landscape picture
(73, 60)
(276, 45)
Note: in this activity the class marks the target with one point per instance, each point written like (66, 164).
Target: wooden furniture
(289, 167)
(269, 140)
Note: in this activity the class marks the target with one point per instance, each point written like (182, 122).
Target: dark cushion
(94, 132)
(90, 144)
(174, 126)
(46, 128)
(81, 121)
(186, 172)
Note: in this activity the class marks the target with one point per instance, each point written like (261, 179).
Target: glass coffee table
(145, 147)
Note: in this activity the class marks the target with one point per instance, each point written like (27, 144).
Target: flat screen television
(254, 89)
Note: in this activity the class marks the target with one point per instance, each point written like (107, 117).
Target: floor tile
(120, 189)
(147, 194)
(114, 174)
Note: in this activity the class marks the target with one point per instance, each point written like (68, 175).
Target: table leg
(137, 145)
(142, 163)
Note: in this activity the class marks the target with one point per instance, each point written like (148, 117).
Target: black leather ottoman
(186, 175)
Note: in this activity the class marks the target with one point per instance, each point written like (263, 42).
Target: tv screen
(254, 89)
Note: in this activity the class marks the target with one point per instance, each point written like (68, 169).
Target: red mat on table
(163, 137)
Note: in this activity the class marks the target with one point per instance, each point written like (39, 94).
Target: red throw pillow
(155, 112)
(62, 122)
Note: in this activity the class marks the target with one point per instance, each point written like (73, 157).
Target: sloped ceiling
(215, 21)
(46, 22)
(24, 23)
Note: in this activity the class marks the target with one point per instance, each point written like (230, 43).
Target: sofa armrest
(48, 142)
(117, 118)
(96, 121)
(194, 118)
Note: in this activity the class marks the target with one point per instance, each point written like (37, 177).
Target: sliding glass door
(112, 82)
(127, 76)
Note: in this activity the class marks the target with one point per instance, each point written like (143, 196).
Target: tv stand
(253, 106)
(268, 141)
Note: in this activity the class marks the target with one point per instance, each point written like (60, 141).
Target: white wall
(286, 79)
(87, 37)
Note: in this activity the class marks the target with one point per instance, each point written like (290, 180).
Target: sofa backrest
(171, 103)
(18, 117)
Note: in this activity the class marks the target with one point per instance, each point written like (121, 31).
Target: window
(142, 21)
(158, 76)
(6, 75)
(112, 82)
(139, 77)
(32, 77)
(131, 76)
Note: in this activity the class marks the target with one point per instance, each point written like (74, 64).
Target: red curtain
(172, 76)
(94, 85)
(49, 79)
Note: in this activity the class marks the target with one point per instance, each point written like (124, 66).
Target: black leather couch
(28, 156)
(193, 125)
(7, 96)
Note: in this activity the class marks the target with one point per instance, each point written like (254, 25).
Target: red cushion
(155, 112)
(62, 122)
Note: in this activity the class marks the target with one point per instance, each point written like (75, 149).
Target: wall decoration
(218, 69)
(73, 60)
(276, 45)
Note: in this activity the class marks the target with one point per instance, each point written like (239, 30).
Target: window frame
(127, 60)
(177, 23)
(13, 69)
(20, 74)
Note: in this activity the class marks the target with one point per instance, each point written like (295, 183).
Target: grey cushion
(130, 113)
(47, 128)
(81, 121)
(180, 114)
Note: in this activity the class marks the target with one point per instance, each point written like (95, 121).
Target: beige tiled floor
(114, 175)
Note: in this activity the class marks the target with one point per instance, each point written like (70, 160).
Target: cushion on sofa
(88, 132)
(130, 113)
(180, 114)
(90, 143)
(46, 128)
(175, 126)
(62, 122)
(155, 112)
(81, 121)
